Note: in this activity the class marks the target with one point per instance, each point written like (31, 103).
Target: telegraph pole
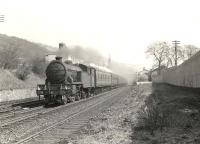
(176, 42)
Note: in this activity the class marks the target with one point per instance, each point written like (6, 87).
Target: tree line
(164, 54)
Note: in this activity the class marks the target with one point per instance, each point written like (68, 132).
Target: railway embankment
(17, 94)
(12, 88)
(114, 125)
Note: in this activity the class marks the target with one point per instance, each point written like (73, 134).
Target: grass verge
(170, 115)
(10, 81)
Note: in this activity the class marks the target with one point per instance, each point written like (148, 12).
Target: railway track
(22, 109)
(16, 106)
(17, 112)
(70, 124)
(19, 116)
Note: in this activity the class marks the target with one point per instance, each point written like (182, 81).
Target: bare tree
(159, 51)
(175, 55)
(9, 56)
(183, 53)
(189, 51)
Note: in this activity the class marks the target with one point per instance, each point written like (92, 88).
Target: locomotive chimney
(58, 58)
(62, 46)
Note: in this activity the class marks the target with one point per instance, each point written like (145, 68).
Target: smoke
(127, 71)
(78, 53)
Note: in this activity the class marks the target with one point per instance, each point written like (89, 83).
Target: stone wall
(16, 94)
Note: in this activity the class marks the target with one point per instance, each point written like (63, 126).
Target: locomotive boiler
(62, 83)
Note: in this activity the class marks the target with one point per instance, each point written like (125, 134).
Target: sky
(123, 28)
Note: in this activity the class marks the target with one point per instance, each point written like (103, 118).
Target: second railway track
(18, 116)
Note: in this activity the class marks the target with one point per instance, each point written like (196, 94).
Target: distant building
(143, 75)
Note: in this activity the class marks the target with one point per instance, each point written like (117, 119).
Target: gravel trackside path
(114, 124)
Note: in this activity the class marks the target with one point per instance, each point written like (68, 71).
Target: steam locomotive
(67, 82)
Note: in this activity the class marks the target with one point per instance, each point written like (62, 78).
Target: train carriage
(103, 78)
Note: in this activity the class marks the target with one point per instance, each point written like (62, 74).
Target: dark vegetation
(23, 71)
(170, 115)
(39, 66)
(21, 56)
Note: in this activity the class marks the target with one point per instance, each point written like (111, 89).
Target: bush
(152, 116)
(39, 66)
(23, 71)
(9, 55)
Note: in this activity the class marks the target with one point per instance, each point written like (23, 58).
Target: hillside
(26, 49)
